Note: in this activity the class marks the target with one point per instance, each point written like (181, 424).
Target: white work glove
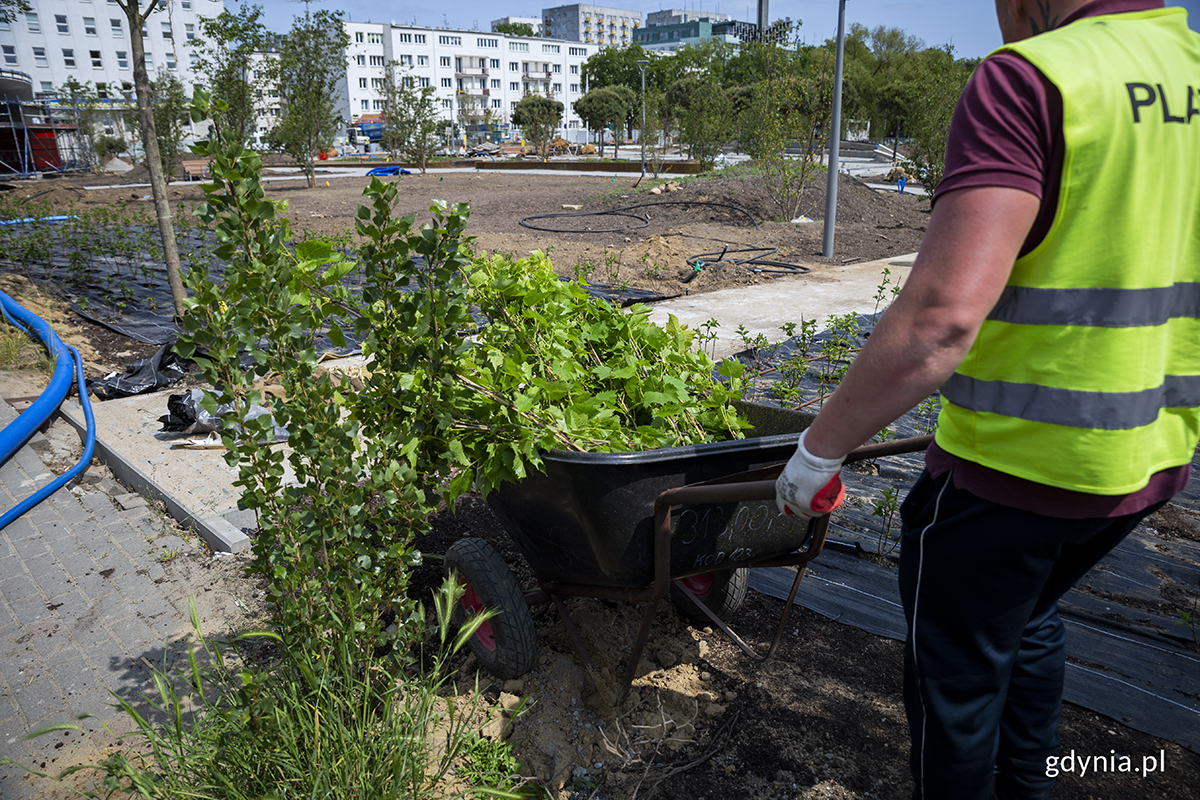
(809, 485)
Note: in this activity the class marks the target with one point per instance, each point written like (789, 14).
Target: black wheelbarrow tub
(589, 519)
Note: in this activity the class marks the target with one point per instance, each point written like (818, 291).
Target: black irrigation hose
(756, 263)
(620, 212)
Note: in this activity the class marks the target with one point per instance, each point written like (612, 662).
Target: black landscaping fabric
(130, 293)
(1127, 658)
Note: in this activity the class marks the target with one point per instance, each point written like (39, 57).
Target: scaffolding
(34, 137)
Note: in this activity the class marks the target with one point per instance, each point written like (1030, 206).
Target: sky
(968, 25)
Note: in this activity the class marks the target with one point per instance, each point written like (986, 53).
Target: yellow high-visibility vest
(1086, 374)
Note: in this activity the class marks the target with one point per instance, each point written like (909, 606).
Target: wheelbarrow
(684, 522)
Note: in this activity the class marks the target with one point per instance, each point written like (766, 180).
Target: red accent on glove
(830, 496)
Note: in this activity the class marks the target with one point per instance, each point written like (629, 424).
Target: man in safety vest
(1056, 304)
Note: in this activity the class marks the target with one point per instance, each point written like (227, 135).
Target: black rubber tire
(725, 596)
(506, 644)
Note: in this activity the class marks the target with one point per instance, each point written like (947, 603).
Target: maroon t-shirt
(1007, 131)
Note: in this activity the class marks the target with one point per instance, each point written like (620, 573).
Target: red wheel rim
(472, 604)
(699, 585)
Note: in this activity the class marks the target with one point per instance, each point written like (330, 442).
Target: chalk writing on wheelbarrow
(711, 523)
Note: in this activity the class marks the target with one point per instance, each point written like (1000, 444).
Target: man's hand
(809, 485)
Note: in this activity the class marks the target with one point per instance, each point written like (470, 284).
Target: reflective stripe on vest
(1108, 411)
(1102, 308)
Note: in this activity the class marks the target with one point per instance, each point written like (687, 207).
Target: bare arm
(974, 237)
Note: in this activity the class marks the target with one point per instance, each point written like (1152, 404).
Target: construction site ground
(824, 718)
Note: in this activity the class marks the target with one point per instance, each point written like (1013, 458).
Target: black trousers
(985, 654)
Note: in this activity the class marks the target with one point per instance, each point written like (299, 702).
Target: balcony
(471, 72)
(537, 76)
(474, 91)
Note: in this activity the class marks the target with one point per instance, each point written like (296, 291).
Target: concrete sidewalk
(80, 614)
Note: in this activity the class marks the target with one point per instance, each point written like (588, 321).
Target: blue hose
(18, 432)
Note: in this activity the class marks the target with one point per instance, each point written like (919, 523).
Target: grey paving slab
(17, 585)
(31, 548)
(20, 529)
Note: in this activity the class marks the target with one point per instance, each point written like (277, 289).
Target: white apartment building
(468, 69)
(88, 40)
(596, 25)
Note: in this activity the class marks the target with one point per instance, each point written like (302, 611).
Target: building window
(96, 63)
(89, 26)
(378, 61)
(189, 31)
(422, 61)
(558, 67)
(495, 103)
(405, 60)
(444, 61)
(102, 91)
(374, 38)
(361, 60)
(513, 66)
(377, 104)
(376, 83)
(10, 55)
(418, 38)
(166, 30)
(39, 57)
(512, 104)
(123, 59)
(495, 83)
(117, 30)
(447, 83)
(47, 87)
(171, 60)
(69, 57)
(149, 63)
(556, 88)
(424, 82)
(194, 61)
(575, 88)
(186, 5)
(495, 63)
(550, 48)
(447, 104)
(366, 105)
(362, 83)
(522, 47)
(454, 41)
(574, 69)
(358, 36)
(487, 42)
(577, 51)
(513, 86)
(404, 37)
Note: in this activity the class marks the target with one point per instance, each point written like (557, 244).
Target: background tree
(311, 62)
(137, 18)
(225, 65)
(702, 110)
(84, 104)
(538, 117)
(929, 119)
(604, 106)
(411, 123)
(514, 28)
(617, 66)
(10, 9)
(171, 117)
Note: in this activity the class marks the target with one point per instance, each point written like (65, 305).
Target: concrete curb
(219, 533)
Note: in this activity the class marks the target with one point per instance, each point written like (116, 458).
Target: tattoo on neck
(1048, 23)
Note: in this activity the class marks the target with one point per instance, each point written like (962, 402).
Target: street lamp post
(642, 64)
(835, 135)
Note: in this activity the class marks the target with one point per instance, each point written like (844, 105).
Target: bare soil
(824, 718)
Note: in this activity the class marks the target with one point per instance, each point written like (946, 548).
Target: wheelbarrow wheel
(505, 644)
(722, 591)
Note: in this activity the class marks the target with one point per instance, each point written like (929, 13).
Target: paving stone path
(80, 615)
